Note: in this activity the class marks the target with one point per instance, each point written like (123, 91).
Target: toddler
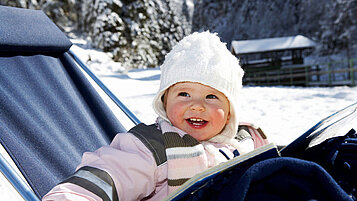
(197, 106)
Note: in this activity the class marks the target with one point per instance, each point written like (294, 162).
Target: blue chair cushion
(29, 31)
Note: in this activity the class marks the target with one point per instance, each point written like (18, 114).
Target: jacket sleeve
(125, 170)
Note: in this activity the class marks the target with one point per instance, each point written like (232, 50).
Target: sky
(283, 113)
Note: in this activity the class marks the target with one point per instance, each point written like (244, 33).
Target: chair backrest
(49, 112)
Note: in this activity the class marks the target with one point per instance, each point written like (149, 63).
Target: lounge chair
(49, 112)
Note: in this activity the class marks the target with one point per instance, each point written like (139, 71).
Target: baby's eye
(211, 96)
(184, 94)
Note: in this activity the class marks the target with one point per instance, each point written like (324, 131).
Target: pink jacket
(132, 167)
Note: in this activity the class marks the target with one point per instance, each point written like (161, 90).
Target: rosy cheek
(174, 113)
(220, 113)
(220, 117)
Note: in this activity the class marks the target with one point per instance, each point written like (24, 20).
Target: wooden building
(271, 53)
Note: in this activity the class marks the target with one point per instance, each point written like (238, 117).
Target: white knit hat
(203, 58)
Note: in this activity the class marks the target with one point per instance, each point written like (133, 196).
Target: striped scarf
(186, 156)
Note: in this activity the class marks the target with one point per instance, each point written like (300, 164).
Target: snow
(270, 44)
(284, 113)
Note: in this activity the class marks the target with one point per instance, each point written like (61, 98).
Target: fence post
(306, 75)
(329, 74)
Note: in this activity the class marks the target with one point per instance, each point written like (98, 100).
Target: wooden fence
(327, 74)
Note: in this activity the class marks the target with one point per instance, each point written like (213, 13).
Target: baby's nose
(197, 106)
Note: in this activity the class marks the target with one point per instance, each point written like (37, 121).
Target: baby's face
(199, 110)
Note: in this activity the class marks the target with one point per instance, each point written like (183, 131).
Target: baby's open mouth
(196, 121)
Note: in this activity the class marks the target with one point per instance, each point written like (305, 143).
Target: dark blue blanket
(275, 179)
(338, 156)
(287, 179)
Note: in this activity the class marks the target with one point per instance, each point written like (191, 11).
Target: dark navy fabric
(338, 156)
(32, 31)
(276, 179)
(287, 179)
(50, 114)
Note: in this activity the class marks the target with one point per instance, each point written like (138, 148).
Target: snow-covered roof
(271, 44)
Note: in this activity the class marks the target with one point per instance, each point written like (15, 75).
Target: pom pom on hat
(203, 58)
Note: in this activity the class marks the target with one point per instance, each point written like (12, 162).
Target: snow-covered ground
(283, 113)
